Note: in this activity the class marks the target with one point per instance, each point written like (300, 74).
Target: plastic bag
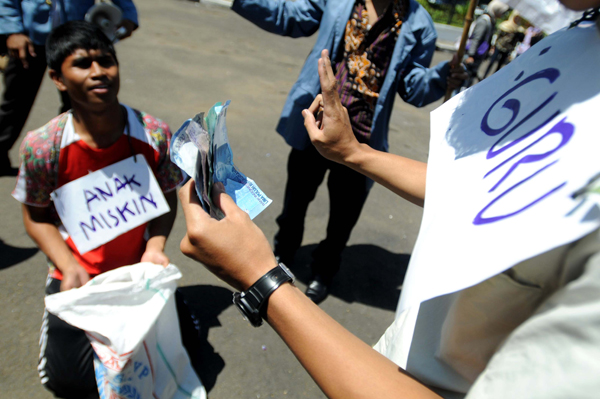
(130, 318)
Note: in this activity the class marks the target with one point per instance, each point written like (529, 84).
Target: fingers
(327, 79)
(310, 123)
(84, 277)
(23, 56)
(223, 201)
(31, 49)
(316, 105)
(192, 210)
(327, 65)
(454, 61)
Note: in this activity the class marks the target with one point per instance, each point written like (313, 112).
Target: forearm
(286, 18)
(11, 20)
(404, 176)
(341, 364)
(129, 10)
(49, 240)
(421, 86)
(160, 228)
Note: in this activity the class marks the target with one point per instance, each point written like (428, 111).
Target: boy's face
(90, 77)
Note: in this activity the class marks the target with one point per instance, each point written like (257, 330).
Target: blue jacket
(408, 73)
(35, 18)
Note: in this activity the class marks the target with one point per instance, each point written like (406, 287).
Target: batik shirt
(364, 62)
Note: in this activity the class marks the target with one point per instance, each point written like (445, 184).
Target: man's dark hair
(65, 39)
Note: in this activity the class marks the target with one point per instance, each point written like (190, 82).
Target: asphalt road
(185, 57)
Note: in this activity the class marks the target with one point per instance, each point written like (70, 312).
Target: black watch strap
(264, 287)
(254, 299)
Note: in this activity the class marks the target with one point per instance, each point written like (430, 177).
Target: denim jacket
(408, 73)
(36, 18)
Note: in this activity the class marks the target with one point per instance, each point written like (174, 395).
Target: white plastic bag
(130, 318)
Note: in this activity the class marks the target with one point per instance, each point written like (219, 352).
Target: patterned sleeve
(37, 172)
(168, 174)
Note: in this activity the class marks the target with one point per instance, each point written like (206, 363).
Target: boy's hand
(155, 256)
(330, 132)
(74, 277)
(232, 248)
(18, 45)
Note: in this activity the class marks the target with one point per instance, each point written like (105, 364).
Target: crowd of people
(336, 118)
(498, 46)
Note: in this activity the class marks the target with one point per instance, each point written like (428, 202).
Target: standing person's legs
(493, 59)
(306, 169)
(348, 192)
(20, 89)
(66, 365)
(502, 61)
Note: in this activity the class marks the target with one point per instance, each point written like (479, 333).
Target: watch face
(287, 271)
(247, 312)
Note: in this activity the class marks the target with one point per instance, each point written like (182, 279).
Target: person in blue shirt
(24, 27)
(379, 48)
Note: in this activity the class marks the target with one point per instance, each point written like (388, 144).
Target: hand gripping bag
(130, 318)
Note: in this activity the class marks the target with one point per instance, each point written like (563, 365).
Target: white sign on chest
(102, 205)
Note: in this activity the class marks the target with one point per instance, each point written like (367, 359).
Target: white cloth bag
(130, 318)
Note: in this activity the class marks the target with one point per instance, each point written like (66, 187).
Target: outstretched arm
(237, 251)
(40, 228)
(331, 134)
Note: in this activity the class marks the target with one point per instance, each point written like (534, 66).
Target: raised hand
(327, 120)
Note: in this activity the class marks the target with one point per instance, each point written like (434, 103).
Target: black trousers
(20, 89)
(66, 366)
(348, 191)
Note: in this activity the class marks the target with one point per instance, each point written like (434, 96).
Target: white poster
(507, 158)
(102, 205)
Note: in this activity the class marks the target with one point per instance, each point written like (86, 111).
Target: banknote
(201, 149)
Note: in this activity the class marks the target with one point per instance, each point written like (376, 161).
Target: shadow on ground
(13, 255)
(369, 274)
(198, 307)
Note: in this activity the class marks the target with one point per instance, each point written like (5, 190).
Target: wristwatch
(251, 302)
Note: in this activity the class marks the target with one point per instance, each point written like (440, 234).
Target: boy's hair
(65, 39)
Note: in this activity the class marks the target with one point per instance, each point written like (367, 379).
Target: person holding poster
(502, 295)
(128, 153)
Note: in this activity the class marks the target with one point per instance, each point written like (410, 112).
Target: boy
(24, 27)
(96, 133)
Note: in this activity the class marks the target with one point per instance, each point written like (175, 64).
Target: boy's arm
(333, 138)
(159, 230)
(48, 239)
(236, 250)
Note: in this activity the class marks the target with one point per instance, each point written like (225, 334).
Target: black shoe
(317, 290)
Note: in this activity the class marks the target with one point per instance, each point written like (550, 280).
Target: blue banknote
(201, 149)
